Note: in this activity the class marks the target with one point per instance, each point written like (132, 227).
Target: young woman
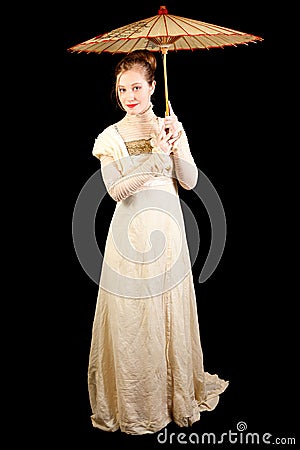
(146, 365)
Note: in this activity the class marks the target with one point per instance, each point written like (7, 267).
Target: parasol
(164, 32)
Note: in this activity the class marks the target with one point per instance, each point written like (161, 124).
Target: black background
(230, 102)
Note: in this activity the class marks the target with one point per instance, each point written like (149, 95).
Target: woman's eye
(121, 90)
(137, 88)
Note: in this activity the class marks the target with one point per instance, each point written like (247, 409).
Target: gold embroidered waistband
(139, 147)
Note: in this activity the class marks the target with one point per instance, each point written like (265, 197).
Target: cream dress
(146, 364)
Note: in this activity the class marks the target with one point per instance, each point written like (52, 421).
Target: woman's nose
(130, 94)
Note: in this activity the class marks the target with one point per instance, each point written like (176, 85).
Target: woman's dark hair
(142, 59)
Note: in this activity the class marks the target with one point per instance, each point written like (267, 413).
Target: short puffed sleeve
(104, 144)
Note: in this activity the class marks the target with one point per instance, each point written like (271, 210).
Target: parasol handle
(164, 51)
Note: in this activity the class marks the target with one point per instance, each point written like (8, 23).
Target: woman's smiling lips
(132, 105)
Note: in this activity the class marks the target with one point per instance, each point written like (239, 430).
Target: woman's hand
(172, 124)
(164, 141)
(169, 133)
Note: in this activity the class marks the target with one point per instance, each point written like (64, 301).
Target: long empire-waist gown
(146, 363)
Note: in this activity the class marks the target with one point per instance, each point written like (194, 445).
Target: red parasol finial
(162, 10)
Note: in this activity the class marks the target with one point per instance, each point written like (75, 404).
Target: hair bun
(150, 58)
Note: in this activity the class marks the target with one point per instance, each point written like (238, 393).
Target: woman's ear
(152, 89)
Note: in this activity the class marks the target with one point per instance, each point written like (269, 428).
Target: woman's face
(134, 91)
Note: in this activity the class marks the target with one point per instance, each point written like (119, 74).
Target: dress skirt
(146, 363)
